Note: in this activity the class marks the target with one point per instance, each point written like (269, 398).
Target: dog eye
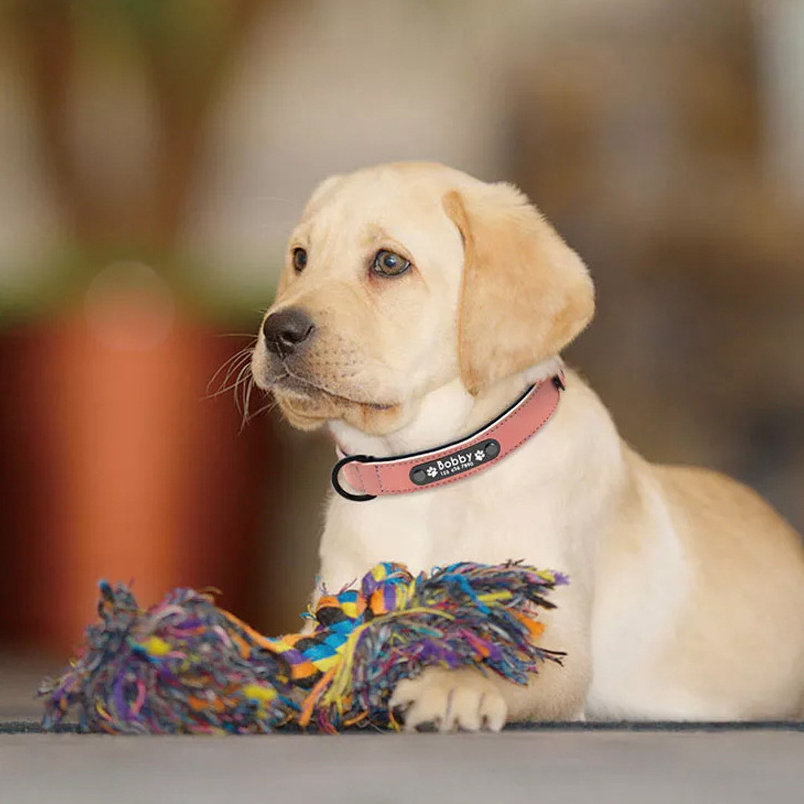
(299, 259)
(389, 264)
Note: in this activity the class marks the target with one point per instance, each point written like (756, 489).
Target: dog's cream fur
(686, 598)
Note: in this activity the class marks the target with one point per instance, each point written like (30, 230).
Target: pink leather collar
(420, 471)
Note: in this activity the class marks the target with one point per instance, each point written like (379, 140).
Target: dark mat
(33, 727)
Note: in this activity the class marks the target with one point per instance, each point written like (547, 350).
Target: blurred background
(154, 155)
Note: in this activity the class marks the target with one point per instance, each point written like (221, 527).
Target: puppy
(417, 304)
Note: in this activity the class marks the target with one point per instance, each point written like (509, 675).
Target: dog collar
(420, 471)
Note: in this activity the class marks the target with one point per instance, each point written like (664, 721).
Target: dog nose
(286, 330)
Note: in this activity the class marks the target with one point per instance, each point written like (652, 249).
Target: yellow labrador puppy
(417, 306)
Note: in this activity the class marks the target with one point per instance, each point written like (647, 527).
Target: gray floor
(621, 767)
(548, 767)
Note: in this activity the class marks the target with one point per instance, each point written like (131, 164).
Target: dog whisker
(238, 364)
(247, 415)
(243, 377)
(265, 408)
(229, 365)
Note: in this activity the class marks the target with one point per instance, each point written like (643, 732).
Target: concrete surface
(565, 764)
(550, 767)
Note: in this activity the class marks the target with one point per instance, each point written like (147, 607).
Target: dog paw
(450, 700)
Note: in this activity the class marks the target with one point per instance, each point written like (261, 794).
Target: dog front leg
(471, 700)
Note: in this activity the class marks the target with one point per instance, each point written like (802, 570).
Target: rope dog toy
(187, 666)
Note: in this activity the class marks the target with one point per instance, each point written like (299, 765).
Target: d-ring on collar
(419, 471)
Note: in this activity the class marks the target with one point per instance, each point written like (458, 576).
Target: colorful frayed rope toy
(187, 666)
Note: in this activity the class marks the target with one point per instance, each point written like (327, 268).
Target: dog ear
(525, 295)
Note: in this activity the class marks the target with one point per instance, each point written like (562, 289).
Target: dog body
(686, 594)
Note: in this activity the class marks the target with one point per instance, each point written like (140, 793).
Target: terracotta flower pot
(117, 465)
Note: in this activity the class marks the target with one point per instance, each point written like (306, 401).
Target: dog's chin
(302, 412)
(310, 409)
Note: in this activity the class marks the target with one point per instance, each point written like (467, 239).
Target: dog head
(403, 277)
